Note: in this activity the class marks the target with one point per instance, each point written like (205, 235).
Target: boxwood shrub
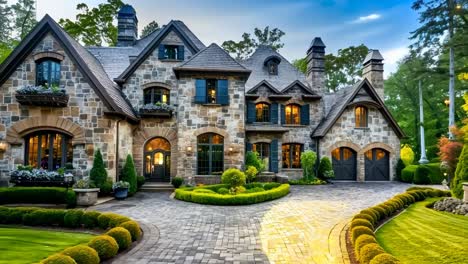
(360, 230)
(121, 236)
(45, 217)
(368, 252)
(384, 258)
(361, 222)
(133, 228)
(90, 219)
(407, 174)
(37, 195)
(105, 246)
(187, 194)
(58, 259)
(73, 218)
(82, 254)
(361, 241)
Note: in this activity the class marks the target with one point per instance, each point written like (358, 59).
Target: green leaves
(150, 28)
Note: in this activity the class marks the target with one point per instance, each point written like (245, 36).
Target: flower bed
(123, 231)
(361, 231)
(42, 96)
(25, 176)
(37, 195)
(157, 110)
(219, 194)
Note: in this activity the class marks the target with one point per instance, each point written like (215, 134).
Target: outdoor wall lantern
(3, 146)
(189, 150)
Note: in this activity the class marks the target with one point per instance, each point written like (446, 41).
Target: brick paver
(298, 228)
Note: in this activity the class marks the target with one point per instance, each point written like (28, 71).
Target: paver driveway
(293, 229)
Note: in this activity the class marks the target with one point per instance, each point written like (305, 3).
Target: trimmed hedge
(121, 236)
(90, 219)
(362, 225)
(106, 220)
(188, 195)
(82, 254)
(133, 228)
(37, 195)
(422, 174)
(73, 218)
(407, 174)
(58, 259)
(105, 246)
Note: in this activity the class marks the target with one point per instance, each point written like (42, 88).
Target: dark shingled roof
(105, 88)
(373, 55)
(338, 102)
(212, 58)
(287, 73)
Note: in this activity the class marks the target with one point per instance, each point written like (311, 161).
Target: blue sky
(379, 24)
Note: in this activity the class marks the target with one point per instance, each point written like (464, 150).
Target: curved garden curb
(337, 243)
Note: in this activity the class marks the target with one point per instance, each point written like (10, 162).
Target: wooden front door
(377, 167)
(157, 166)
(344, 164)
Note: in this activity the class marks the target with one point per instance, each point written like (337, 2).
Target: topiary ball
(384, 258)
(106, 220)
(82, 254)
(364, 216)
(105, 246)
(58, 259)
(373, 214)
(73, 218)
(361, 241)
(234, 177)
(90, 219)
(116, 220)
(360, 230)
(133, 228)
(122, 236)
(361, 222)
(368, 252)
(223, 190)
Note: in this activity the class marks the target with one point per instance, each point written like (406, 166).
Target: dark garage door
(377, 165)
(344, 164)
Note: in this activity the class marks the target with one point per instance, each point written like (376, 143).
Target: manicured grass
(24, 245)
(425, 236)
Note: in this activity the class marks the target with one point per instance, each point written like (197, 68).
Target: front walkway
(294, 229)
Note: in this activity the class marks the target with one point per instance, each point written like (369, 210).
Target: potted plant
(121, 189)
(86, 192)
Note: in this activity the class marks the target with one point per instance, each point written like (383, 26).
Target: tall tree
(343, 69)
(95, 26)
(243, 48)
(25, 17)
(150, 28)
(5, 22)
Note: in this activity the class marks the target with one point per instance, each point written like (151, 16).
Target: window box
(39, 177)
(42, 96)
(157, 110)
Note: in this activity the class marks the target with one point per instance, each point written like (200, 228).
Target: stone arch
(156, 84)
(216, 130)
(48, 54)
(376, 145)
(260, 140)
(263, 99)
(19, 129)
(346, 144)
(295, 101)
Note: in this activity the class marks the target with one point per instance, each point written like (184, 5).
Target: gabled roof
(300, 84)
(106, 89)
(287, 73)
(212, 59)
(267, 84)
(344, 98)
(193, 43)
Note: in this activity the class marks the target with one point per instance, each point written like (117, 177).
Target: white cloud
(391, 58)
(365, 19)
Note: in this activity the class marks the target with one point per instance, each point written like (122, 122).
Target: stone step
(156, 187)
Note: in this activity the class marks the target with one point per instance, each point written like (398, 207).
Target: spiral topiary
(133, 228)
(82, 254)
(105, 246)
(121, 236)
(384, 258)
(58, 259)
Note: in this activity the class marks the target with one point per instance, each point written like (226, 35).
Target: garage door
(344, 164)
(377, 165)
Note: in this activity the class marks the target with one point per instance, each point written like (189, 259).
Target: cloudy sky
(383, 24)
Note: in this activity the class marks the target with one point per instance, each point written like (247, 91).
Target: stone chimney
(127, 26)
(316, 65)
(373, 71)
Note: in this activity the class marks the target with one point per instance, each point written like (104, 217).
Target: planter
(156, 113)
(120, 193)
(86, 197)
(52, 100)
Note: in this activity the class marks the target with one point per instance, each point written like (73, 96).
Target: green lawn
(24, 245)
(422, 235)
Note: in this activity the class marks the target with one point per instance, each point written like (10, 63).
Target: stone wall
(85, 110)
(379, 134)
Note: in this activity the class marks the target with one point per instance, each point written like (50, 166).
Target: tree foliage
(243, 48)
(407, 155)
(308, 159)
(341, 70)
(150, 28)
(98, 173)
(25, 17)
(461, 174)
(95, 26)
(129, 174)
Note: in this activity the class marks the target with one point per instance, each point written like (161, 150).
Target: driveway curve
(293, 229)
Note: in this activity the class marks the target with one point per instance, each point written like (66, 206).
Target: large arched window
(49, 150)
(210, 154)
(262, 112)
(155, 95)
(47, 73)
(292, 155)
(360, 113)
(293, 114)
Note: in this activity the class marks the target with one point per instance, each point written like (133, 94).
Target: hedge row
(123, 231)
(362, 226)
(422, 174)
(38, 195)
(189, 195)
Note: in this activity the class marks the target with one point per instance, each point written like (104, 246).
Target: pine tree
(98, 173)
(461, 174)
(129, 174)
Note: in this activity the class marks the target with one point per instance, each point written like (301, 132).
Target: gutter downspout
(117, 125)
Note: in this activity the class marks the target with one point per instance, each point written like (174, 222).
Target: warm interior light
(189, 149)
(231, 149)
(458, 6)
(447, 102)
(3, 146)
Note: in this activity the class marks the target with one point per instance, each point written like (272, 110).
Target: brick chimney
(127, 26)
(373, 71)
(316, 65)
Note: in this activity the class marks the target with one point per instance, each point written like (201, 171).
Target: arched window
(262, 112)
(291, 155)
(360, 113)
(49, 150)
(272, 67)
(293, 114)
(210, 154)
(155, 95)
(47, 73)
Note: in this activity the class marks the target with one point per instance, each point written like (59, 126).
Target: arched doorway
(377, 165)
(344, 164)
(157, 164)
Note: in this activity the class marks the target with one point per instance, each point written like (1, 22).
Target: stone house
(185, 109)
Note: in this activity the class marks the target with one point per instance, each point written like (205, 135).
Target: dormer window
(171, 52)
(360, 114)
(48, 73)
(271, 63)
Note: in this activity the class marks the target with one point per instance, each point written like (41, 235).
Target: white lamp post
(423, 159)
